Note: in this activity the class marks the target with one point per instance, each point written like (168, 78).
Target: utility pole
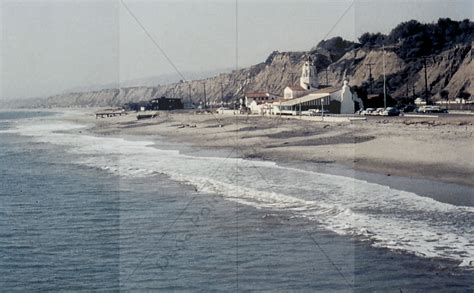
(408, 91)
(384, 79)
(292, 78)
(327, 80)
(242, 83)
(426, 82)
(322, 109)
(189, 93)
(205, 97)
(371, 79)
(222, 94)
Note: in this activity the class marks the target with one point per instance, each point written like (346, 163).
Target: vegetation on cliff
(414, 39)
(445, 45)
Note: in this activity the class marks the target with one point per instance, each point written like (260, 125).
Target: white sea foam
(391, 218)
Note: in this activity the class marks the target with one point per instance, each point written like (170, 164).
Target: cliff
(451, 70)
(446, 46)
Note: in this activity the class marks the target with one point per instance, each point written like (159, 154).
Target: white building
(294, 91)
(307, 95)
(259, 102)
(338, 100)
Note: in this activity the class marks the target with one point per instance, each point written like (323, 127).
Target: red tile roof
(256, 94)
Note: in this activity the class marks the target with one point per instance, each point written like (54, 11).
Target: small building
(164, 103)
(293, 92)
(137, 106)
(259, 102)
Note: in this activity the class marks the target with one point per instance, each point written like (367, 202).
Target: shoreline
(107, 128)
(413, 147)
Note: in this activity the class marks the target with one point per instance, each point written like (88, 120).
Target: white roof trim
(304, 99)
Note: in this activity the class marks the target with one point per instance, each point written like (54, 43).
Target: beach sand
(438, 149)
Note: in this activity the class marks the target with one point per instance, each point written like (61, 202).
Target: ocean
(102, 213)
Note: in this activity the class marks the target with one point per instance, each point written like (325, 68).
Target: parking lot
(447, 118)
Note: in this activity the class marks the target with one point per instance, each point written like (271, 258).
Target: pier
(110, 114)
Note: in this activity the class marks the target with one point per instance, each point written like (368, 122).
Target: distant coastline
(446, 50)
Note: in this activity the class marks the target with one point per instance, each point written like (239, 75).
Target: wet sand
(437, 149)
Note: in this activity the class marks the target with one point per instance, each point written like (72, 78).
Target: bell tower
(309, 79)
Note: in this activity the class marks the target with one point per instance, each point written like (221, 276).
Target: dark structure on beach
(164, 103)
(137, 106)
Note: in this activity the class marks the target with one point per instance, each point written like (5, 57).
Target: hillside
(447, 45)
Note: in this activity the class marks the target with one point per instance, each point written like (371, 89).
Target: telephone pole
(222, 94)
(384, 79)
(189, 93)
(408, 91)
(371, 79)
(205, 97)
(426, 82)
(327, 79)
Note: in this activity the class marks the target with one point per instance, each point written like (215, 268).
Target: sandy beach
(417, 147)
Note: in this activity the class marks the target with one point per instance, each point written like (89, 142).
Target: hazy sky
(50, 46)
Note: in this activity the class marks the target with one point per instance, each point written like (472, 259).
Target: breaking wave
(389, 218)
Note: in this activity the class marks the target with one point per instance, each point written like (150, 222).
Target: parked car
(409, 108)
(368, 111)
(425, 109)
(316, 112)
(322, 111)
(378, 111)
(432, 109)
(311, 112)
(390, 111)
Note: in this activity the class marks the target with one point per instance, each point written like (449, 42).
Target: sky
(50, 46)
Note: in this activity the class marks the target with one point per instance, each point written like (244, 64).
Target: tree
(465, 95)
(336, 47)
(372, 39)
(405, 30)
(444, 94)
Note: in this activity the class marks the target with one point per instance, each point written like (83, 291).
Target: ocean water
(82, 212)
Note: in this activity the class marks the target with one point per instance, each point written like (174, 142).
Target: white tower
(308, 79)
(347, 99)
